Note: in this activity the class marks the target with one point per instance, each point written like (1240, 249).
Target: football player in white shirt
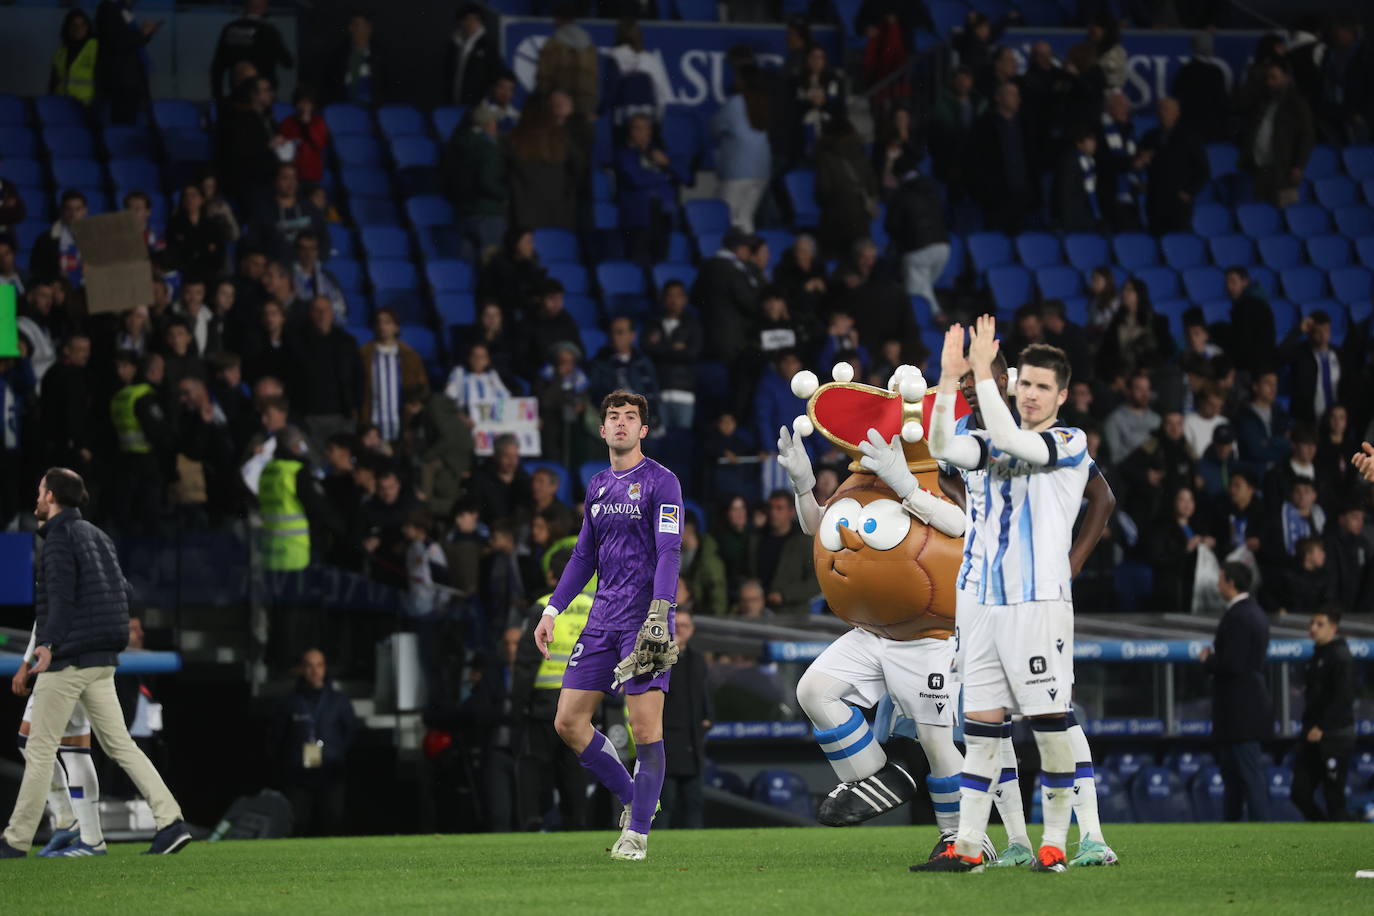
(1016, 640)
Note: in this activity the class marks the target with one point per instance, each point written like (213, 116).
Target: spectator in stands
(1077, 207)
(389, 367)
(1328, 720)
(231, 395)
(206, 328)
(278, 284)
(475, 382)
(1336, 442)
(1176, 171)
(736, 539)
(1200, 425)
(1202, 88)
(476, 184)
(502, 345)
(471, 59)
(674, 341)
(1118, 164)
(1243, 512)
(204, 490)
(818, 98)
(219, 209)
(1129, 425)
(1277, 139)
(1105, 35)
(622, 365)
(55, 254)
(784, 558)
(283, 214)
(249, 38)
(1216, 464)
(1136, 338)
(179, 355)
(878, 303)
(1298, 517)
(776, 329)
(1300, 463)
(1066, 335)
(549, 325)
(565, 418)
(247, 142)
(42, 325)
(1174, 543)
(999, 174)
(1315, 369)
(9, 267)
(313, 733)
(951, 126)
(801, 276)
(728, 296)
(67, 407)
(310, 278)
(775, 406)
(545, 168)
(196, 242)
(146, 436)
(1262, 425)
(501, 487)
(1045, 87)
(703, 569)
(305, 128)
(744, 154)
(268, 352)
(1103, 300)
(999, 69)
(568, 61)
(1350, 553)
(327, 380)
(915, 223)
(687, 715)
(513, 277)
(74, 61)
(1306, 586)
(1253, 337)
(384, 514)
(635, 84)
(121, 68)
(501, 101)
(439, 446)
(897, 137)
(358, 73)
(1241, 714)
(646, 191)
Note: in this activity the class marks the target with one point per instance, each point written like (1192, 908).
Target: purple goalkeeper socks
(648, 785)
(600, 757)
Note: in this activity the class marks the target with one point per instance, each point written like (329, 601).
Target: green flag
(9, 321)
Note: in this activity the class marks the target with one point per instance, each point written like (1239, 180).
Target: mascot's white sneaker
(852, 803)
(631, 847)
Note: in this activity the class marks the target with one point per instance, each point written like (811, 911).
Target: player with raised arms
(1016, 640)
(631, 539)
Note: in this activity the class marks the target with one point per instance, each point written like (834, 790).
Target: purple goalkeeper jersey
(632, 539)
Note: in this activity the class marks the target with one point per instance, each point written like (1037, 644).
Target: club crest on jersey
(668, 518)
(596, 509)
(634, 491)
(600, 493)
(1063, 435)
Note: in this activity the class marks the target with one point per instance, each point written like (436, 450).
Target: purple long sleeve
(667, 537)
(581, 566)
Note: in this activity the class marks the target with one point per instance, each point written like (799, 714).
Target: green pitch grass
(1278, 868)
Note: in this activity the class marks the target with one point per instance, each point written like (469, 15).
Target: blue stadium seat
(187, 144)
(1135, 250)
(77, 173)
(1279, 252)
(134, 173)
(1359, 161)
(619, 278)
(589, 469)
(1328, 251)
(1336, 191)
(1232, 248)
(36, 209)
(1362, 768)
(783, 789)
(946, 16)
(1285, 316)
(1187, 764)
(706, 215)
(1162, 282)
(1171, 309)
(679, 248)
(357, 149)
(954, 267)
(23, 171)
(1212, 219)
(1364, 249)
(69, 142)
(401, 121)
(422, 339)
(375, 211)
(801, 190)
(1222, 159)
(605, 215)
(1259, 220)
(708, 243)
(603, 188)
(1307, 220)
(456, 309)
(779, 240)
(1367, 190)
(1281, 807)
(1011, 287)
(59, 111)
(1301, 284)
(14, 111)
(1207, 792)
(426, 210)
(1039, 249)
(1204, 283)
(446, 119)
(410, 307)
(1264, 278)
(128, 142)
(385, 242)
(556, 245)
(1183, 250)
(684, 273)
(1087, 251)
(1127, 764)
(18, 141)
(1113, 802)
(565, 493)
(584, 310)
(725, 780)
(573, 276)
(391, 274)
(366, 181)
(281, 110)
(593, 339)
(1059, 282)
(415, 152)
(449, 275)
(1323, 162)
(179, 113)
(682, 137)
(1214, 311)
(347, 271)
(1355, 220)
(345, 119)
(1157, 796)
(989, 249)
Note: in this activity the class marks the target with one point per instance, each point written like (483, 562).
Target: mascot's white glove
(888, 461)
(792, 456)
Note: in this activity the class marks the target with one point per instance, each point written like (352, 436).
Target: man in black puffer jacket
(916, 225)
(82, 604)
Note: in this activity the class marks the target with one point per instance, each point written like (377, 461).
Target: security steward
(145, 439)
(545, 761)
(297, 518)
(1328, 720)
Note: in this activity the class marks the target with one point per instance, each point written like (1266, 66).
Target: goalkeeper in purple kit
(631, 539)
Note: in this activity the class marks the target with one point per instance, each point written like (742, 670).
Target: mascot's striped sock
(59, 802)
(851, 748)
(944, 797)
(1084, 784)
(85, 791)
(1056, 777)
(975, 796)
(1007, 795)
(600, 757)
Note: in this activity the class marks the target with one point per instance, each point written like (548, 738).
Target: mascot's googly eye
(883, 524)
(844, 512)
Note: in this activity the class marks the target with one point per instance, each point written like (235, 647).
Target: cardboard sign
(118, 274)
(495, 417)
(9, 321)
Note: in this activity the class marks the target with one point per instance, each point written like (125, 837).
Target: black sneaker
(950, 860)
(1049, 859)
(9, 852)
(852, 803)
(948, 840)
(169, 840)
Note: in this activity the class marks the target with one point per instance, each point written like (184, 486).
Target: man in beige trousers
(81, 600)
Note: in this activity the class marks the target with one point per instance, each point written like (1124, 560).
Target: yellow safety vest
(76, 78)
(567, 630)
(131, 437)
(286, 531)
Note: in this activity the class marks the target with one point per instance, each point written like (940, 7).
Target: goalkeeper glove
(654, 650)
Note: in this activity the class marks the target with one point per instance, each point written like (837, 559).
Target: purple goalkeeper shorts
(592, 666)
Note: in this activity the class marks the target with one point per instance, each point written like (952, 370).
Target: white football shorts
(79, 724)
(917, 672)
(1017, 656)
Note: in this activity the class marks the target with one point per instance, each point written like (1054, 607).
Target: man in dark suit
(1202, 91)
(1000, 174)
(1076, 207)
(728, 297)
(686, 719)
(121, 72)
(1314, 366)
(471, 60)
(1176, 171)
(1252, 337)
(1241, 712)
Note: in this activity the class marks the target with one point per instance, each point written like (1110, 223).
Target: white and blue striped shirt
(386, 391)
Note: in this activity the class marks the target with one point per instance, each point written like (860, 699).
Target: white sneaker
(625, 817)
(631, 847)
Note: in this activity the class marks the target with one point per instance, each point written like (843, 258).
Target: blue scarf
(1295, 527)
